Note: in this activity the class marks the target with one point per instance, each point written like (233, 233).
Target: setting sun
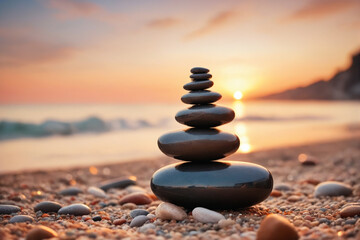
(238, 95)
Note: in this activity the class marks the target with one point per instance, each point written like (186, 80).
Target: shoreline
(293, 198)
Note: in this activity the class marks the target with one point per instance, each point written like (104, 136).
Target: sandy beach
(292, 197)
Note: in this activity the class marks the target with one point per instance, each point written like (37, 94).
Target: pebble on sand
(307, 160)
(137, 198)
(21, 218)
(71, 191)
(138, 212)
(205, 215)
(139, 221)
(8, 209)
(40, 232)
(119, 222)
(350, 211)
(97, 192)
(332, 188)
(169, 211)
(224, 223)
(117, 183)
(47, 206)
(276, 227)
(75, 209)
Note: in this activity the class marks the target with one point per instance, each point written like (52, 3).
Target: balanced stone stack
(201, 181)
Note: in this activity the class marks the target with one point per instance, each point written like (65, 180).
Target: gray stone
(199, 70)
(21, 218)
(138, 212)
(206, 216)
(117, 183)
(332, 188)
(198, 85)
(139, 221)
(205, 116)
(75, 209)
(200, 97)
(47, 206)
(198, 145)
(71, 191)
(200, 76)
(8, 209)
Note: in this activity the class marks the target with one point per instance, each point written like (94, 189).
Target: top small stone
(199, 70)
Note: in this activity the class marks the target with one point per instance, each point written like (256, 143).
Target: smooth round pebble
(96, 218)
(47, 206)
(21, 218)
(40, 232)
(138, 221)
(200, 76)
(137, 198)
(205, 116)
(97, 192)
(8, 209)
(198, 145)
(205, 215)
(332, 188)
(282, 187)
(214, 185)
(169, 211)
(200, 97)
(276, 227)
(350, 211)
(134, 188)
(71, 191)
(137, 212)
(117, 183)
(199, 70)
(75, 209)
(198, 85)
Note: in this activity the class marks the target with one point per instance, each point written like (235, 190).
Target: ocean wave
(15, 129)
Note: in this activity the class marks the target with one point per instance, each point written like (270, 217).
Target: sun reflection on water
(240, 128)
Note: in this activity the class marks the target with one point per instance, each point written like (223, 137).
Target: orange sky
(73, 51)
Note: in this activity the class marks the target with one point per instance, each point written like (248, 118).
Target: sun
(238, 95)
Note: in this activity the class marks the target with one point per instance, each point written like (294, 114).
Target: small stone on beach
(205, 215)
(47, 206)
(117, 183)
(97, 192)
(332, 188)
(169, 211)
(138, 212)
(139, 221)
(350, 211)
(199, 70)
(71, 191)
(137, 198)
(40, 232)
(8, 209)
(75, 209)
(276, 227)
(21, 218)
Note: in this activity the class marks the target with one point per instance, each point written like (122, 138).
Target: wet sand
(313, 218)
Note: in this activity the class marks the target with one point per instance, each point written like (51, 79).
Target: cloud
(163, 22)
(68, 9)
(18, 49)
(320, 8)
(216, 22)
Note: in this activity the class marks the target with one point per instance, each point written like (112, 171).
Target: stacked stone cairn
(201, 181)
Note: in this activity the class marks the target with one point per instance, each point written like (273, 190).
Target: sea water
(52, 136)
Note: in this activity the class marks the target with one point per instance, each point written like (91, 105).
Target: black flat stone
(198, 85)
(198, 145)
(199, 70)
(214, 185)
(205, 116)
(116, 183)
(200, 76)
(200, 97)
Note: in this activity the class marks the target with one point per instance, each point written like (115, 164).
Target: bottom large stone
(215, 185)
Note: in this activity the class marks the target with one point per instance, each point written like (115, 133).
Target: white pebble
(169, 211)
(97, 192)
(206, 216)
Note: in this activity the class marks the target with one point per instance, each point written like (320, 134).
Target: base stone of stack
(214, 185)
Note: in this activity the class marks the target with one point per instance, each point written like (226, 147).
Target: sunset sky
(72, 51)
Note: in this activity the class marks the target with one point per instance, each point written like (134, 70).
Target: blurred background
(92, 82)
